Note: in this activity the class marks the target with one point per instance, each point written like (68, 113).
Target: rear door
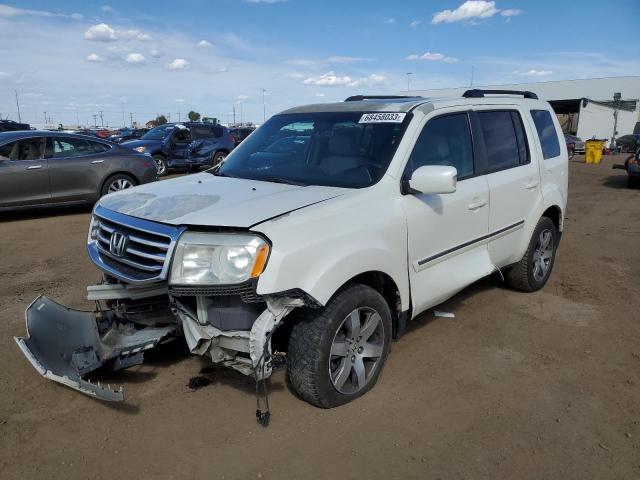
(76, 167)
(24, 177)
(179, 145)
(514, 180)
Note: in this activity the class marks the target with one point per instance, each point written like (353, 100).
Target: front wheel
(336, 354)
(533, 271)
(161, 164)
(633, 182)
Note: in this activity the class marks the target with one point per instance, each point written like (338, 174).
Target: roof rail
(357, 98)
(480, 93)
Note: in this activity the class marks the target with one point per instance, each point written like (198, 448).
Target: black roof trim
(358, 98)
(480, 93)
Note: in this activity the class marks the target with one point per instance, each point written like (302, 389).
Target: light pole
(409, 81)
(616, 104)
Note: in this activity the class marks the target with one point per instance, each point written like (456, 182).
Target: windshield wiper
(285, 181)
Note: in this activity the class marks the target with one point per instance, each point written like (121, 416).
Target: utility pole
(409, 81)
(123, 122)
(18, 105)
(616, 104)
(101, 119)
(77, 117)
(45, 117)
(234, 113)
(95, 120)
(131, 117)
(264, 107)
(179, 117)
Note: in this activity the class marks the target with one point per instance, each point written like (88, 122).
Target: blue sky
(74, 58)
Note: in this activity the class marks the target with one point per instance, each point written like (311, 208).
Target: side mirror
(432, 179)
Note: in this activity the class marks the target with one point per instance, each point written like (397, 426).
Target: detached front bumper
(64, 345)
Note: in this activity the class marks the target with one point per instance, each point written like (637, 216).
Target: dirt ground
(518, 386)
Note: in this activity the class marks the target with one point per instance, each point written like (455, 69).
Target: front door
(24, 177)
(447, 232)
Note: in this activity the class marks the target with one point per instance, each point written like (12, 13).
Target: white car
(325, 232)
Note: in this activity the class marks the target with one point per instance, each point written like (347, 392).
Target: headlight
(217, 258)
(140, 149)
(94, 228)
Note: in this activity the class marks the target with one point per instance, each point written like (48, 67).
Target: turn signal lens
(261, 261)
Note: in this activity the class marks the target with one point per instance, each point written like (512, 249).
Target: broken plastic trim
(64, 344)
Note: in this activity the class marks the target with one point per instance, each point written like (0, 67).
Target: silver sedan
(42, 168)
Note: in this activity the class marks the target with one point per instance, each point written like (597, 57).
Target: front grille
(143, 253)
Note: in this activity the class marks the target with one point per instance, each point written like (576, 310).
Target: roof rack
(480, 93)
(357, 98)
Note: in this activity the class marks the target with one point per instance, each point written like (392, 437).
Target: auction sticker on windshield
(382, 118)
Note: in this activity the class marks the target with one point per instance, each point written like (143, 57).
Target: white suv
(321, 235)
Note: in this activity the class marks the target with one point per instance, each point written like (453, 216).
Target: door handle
(95, 162)
(477, 204)
(531, 185)
(34, 167)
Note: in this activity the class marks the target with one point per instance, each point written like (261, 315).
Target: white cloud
(415, 23)
(135, 58)
(107, 9)
(510, 12)
(94, 57)
(468, 11)
(331, 79)
(343, 59)
(534, 73)
(100, 33)
(178, 64)
(432, 57)
(204, 44)
(9, 11)
(390, 21)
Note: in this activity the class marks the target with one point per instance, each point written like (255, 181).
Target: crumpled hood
(206, 200)
(138, 143)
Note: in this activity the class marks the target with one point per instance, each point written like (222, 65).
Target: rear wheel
(633, 182)
(115, 183)
(533, 271)
(336, 354)
(161, 164)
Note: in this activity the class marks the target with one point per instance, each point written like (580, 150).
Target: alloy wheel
(119, 184)
(356, 350)
(543, 255)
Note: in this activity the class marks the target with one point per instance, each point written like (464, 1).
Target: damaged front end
(66, 345)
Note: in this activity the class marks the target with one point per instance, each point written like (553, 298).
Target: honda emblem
(118, 243)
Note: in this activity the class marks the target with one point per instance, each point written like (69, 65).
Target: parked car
(628, 143)
(11, 126)
(42, 168)
(188, 145)
(574, 144)
(632, 167)
(339, 222)
(125, 134)
(240, 133)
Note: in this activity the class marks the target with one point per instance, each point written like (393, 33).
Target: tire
(161, 164)
(218, 157)
(321, 348)
(117, 182)
(633, 182)
(533, 271)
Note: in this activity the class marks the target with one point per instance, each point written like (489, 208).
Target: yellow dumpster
(593, 150)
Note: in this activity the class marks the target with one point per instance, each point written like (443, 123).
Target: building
(585, 107)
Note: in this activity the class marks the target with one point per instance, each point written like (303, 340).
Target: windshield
(158, 133)
(339, 149)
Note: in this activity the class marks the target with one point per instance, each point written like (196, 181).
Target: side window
(27, 149)
(200, 132)
(217, 131)
(521, 137)
(99, 147)
(445, 140)
(71, 147)
(182, 136)
(547, 133)
(500, 140)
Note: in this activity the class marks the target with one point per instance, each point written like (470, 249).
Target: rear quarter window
(547, 133)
